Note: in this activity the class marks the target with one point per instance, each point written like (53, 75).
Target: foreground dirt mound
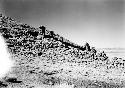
(44, 58)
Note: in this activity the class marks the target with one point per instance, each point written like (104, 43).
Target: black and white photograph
(62, 43)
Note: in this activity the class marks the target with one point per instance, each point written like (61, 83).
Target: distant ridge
(46, 33)
(112, 48)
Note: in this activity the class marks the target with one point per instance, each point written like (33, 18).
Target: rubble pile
(40, 54)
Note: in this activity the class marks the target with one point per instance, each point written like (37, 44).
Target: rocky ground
(44, 59)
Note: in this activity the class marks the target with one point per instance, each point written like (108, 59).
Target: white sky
(98, 22)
